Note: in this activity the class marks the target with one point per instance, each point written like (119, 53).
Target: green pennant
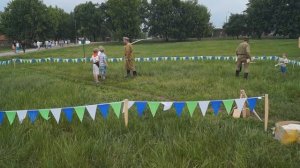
(116, 106)
(80, 112)
(45, 113)
(11, 115)
(153, 107)
(228, 105)
(191, 106)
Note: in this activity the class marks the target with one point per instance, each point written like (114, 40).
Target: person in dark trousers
(23, 45)
(243, 57)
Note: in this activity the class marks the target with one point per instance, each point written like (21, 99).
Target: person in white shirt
(102, 62)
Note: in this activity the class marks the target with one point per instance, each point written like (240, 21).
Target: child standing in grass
(95, 61)
(283, 62)
(102, 62)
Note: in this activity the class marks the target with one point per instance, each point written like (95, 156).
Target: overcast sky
(219, 9)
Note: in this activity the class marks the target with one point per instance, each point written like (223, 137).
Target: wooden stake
(266, 111)
(125, 111)
(14, 63)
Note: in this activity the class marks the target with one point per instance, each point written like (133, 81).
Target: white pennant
(167, 105)
(92, 110)
(56, 113)
(203, 106)
(130, 104)
(240, 103)
(21, 115)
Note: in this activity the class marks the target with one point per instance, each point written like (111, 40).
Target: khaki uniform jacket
(243, 50)
(128, 50)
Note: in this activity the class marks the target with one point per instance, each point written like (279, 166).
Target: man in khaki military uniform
(129, 59)
(243, 57)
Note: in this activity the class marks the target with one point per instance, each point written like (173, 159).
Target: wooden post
(125, 111)
(266, 111)
(14, 63)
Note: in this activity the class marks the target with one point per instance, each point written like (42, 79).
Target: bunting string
(143, 59)
(141, 106)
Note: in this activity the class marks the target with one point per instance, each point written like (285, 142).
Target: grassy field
(161, 141)
(4, 49)
(208, 47)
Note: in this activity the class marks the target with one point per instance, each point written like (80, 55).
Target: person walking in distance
(129, 59)
(243, 57)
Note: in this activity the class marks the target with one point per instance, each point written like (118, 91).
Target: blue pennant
(252, 103)
(68, 113)
(140, 107)
(32, 115)
(104, 110)
(216, 106)
(1, 116)
(179, 107)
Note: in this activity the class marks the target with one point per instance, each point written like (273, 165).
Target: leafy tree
(86, 20)
(123, 18)
(144, 12)
(162, 18)
(177, 19)
(25, 19)
(260, 14)
(60, 26)
(237, 25)
(277, 16)
(196, 17)
(1, 24)
(286, 17)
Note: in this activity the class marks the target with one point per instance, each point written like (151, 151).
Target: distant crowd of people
(18, 46)
(50, 43)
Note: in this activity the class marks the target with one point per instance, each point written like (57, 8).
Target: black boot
(245, 75)
(134, 73)
(128, 74)
(237, 73)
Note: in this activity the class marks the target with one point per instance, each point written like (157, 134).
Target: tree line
(269, 17)
(33, 20)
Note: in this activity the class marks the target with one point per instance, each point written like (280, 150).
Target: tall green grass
(194, 48)
(161, 141)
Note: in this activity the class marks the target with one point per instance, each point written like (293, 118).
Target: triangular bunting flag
(56, 113)
(1, 117)
(140, 107)
(80, 112)
(228, 105)
(179, 107)
(11, 115)
(240, 103)
(167, 105)
(92, 110)
(116, 106)
(203, 106)
(32, 115)
(68, 113)
(216, 104)
(130, 104)
(153, 107)
(21, 115)
(252, 103)
(45, 113)
(104, 109)
(191, 106)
